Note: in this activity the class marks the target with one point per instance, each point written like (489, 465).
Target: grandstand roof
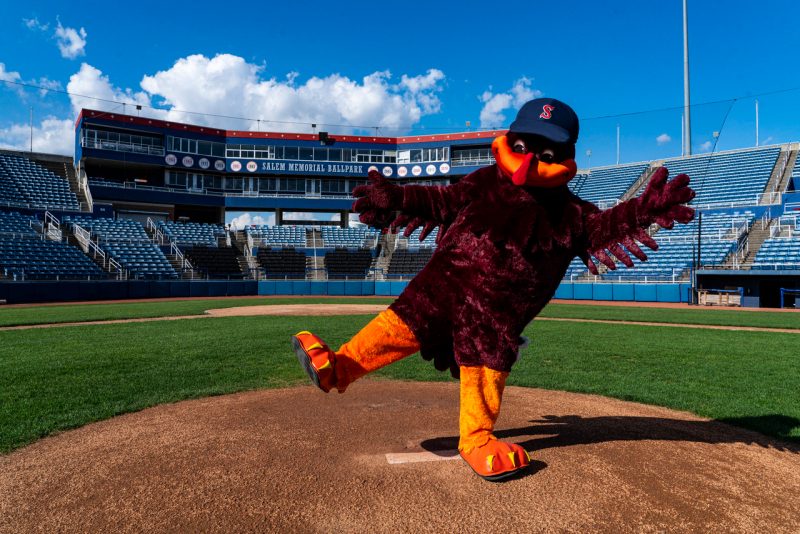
(238, 134)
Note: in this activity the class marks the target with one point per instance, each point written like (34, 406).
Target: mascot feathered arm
(379, 201)
(624, 224)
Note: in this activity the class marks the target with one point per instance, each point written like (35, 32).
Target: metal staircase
(759, 232)
(640, 181)
(781, 174)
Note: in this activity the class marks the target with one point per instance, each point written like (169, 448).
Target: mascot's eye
(520, 147)
(547, 155)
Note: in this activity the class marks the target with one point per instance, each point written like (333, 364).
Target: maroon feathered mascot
(508, 233)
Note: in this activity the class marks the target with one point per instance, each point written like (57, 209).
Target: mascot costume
(507, 235)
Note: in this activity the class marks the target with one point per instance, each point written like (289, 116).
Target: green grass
(61, 378)
(695, 315)
(134, 310)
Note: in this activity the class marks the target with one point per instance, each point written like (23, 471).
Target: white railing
(607, 203)
(114, 265)
(92, 249)
(783, 160)
(118, 146)
(83, 186)
(52, 227)
(183, 262)
(769, 199)
(156, 232)
(206, 192)
(82, 235)
(765, 220)
(609, 277)
(742, 249)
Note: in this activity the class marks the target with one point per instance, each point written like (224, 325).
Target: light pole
(687, 122)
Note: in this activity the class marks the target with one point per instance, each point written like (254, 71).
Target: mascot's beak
(528, 170)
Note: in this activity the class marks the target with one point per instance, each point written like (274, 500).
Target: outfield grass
(133, 310)
(140, 309)
(694, 315)
(61, 378)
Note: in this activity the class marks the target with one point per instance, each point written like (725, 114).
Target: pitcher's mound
(297, 460)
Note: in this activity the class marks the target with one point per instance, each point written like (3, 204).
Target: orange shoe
(497, 460)
(316, 358)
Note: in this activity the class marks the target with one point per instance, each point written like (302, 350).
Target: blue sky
(422, 67)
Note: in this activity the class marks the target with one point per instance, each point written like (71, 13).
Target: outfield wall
(64, 291)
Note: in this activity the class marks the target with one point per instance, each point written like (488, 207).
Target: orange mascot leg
(384, 340)
(481, 395)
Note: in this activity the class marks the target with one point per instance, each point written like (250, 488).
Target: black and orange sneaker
(316, 358)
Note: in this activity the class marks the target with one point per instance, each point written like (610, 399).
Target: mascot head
(539, 148)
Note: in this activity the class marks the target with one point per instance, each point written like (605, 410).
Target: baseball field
(734, 369)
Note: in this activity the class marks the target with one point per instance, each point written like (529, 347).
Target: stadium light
(687, 122)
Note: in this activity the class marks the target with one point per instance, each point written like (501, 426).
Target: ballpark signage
(301, 167)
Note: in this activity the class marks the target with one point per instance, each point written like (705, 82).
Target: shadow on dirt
(563, 431)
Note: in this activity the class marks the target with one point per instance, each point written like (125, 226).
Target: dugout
(759, 288)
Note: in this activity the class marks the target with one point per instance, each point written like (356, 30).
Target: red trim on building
(238, 134)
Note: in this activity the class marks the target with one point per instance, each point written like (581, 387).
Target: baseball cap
(549, 118)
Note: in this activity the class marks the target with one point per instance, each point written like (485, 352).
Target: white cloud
(245, 219)
(663, 139)
(705, 147)
(229, 85)
(71, 42)
(52, 135)
(495, 104)
(34, 24)
(91, 82)
(8, 76)
(47, 84)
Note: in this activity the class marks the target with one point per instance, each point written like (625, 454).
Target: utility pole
(756, 122)
(687, 122)
(31, 125)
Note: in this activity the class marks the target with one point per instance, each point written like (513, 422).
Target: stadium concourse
(140, 211)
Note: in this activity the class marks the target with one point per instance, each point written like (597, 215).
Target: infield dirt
(297, 460)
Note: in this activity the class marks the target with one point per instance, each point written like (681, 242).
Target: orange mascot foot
(497, 460)
(316, 358)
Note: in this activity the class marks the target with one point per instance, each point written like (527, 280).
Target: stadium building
(140, 212)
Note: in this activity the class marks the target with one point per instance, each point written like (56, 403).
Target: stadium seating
(15, 223)
(677, 247)
(278, 236)
(413, 240)
(359, 237)
(40, 259)
(727, 178)
(343, 263)
(783, 250)
(407, 263)
(128, 243)
(779, 253)
(25, 182)
(191, 233)
(607, 183)
(215, 262)
(280, 264)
